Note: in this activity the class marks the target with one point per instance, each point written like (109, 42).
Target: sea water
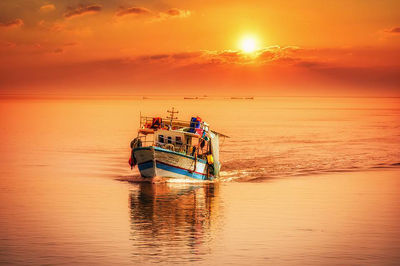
(303, 180)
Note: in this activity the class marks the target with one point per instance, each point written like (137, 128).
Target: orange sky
(123, 47)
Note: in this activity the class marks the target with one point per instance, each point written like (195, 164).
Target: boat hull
(155, 161)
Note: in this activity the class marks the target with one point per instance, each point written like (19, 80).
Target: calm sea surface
(304, 181)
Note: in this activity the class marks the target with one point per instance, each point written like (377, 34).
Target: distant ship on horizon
(242, 98)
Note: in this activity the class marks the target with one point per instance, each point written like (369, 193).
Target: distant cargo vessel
(172, 148)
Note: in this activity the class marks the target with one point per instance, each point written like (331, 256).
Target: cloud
(308, 64)
(64, 47)
(186, 55)
(266, 56)
(299, 71)
(58, 50)
(276, 53)
(375, 76)
(176, 12)
(133, 11)
(174, 58)
(395, 30)
(261, 57)
(12, 23)
(51, 26)
(40, 49)
(47, 8)
(142, 11)
(71, 44)
(82, 10)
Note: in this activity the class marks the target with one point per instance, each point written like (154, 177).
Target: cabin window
(195, 141)
(161, 138)
(169, 139)
(178, 140)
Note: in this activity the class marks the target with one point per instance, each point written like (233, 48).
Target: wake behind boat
(172, 148)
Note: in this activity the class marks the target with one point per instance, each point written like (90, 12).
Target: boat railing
(148, 120)
(177, 146)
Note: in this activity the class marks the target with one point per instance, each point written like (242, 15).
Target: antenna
(172, 115)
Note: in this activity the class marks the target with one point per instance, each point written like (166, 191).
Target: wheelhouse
(176, 137)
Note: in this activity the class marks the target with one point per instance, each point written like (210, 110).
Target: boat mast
(171, 117)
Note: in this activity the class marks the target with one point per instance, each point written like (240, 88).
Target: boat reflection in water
(174, 222)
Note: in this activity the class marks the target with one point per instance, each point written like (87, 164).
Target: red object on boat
(146, 131)
(157, 123)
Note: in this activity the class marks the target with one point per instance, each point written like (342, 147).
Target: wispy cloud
(50, 26)
(63, 48)
(176, 12)
(133, 11)
(12, 23)
(260, 57)
(394, 30)
(47, 8)
(145, 12)
(82, 10)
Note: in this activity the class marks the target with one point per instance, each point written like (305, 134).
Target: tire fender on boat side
(136, 143)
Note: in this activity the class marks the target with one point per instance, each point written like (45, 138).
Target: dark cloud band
(12, 23)
(82, 10)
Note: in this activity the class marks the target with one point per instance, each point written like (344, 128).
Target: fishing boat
(172, 148)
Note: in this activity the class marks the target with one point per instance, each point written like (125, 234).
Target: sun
(248, 44)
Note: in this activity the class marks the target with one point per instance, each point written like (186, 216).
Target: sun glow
(248, 44)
